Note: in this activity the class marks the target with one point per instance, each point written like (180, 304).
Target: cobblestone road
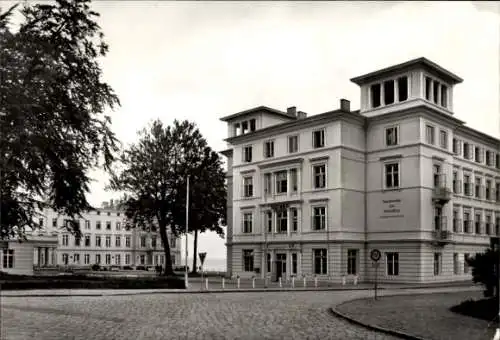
(286, 315)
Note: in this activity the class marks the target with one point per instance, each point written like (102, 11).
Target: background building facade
(105, 241)
(314, 195)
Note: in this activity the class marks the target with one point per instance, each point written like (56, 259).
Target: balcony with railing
(441, 233)
(441, 193)
(488, 228)
(467, 189)
(478, 227)
(479, 191)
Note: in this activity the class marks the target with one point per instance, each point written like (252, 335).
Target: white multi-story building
(105, 241)
(315, 195)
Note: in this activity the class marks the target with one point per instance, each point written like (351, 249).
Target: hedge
(82, 282)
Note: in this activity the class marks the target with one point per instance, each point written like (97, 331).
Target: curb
(256, 290)
(398, 334)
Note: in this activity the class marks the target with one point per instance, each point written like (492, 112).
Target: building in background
(315, 195)
(105, 241)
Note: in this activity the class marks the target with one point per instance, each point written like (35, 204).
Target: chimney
(292, 111)
(345, 105)
(301, 115)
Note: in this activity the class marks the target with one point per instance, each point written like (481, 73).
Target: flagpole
(187, 223)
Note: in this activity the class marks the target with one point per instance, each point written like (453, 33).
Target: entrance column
(46, 262)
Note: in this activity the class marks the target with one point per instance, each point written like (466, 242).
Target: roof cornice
(256, 110)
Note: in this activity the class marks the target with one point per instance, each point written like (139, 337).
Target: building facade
(315, 195)
(105, 241)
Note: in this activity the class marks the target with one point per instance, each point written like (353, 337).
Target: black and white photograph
(249, 170)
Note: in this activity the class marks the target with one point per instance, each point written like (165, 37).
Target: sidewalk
(430, 317)
(215, 286)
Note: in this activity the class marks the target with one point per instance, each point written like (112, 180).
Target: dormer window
(389, 92)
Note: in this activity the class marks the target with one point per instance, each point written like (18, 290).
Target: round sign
(375, 255)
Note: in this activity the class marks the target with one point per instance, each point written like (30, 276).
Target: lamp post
(187, 223)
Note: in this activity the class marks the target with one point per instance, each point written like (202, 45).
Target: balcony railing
(440, 223)
(441, 193)
(467, 189)
(478, 228)
(467, 226)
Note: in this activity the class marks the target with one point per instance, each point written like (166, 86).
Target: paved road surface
(248, 316)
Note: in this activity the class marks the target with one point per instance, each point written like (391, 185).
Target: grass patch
(484, 309)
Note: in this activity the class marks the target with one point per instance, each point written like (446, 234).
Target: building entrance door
(280, 266)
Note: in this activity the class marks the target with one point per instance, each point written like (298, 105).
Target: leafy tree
(153, 177)
(53, 126)
(484, 270)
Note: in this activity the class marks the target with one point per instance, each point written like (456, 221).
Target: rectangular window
(429, 134)
(477, 154)
(467, 150)
(488, 225)
(352, 262)
(477, 187)
(127, 241)
(281, 182)
(143, 241)
(269, 149)
(87, 240)
(248, 186)
(253, 126)
(497, 192)
(118, 241)
(467, 186)
(108, 241)
(428, 85)
(497, 224)
(456, 264)
(392, 264)
(436, 92)
(282, 217)
(467, 228)
(8, 258)
(269, 221)
(127, 258)
(294, 185)
(319, 173)
(295, 219)
(65, 240)
(98, 225)
(455, 221)
(402, 88)
(318, 138)
(437, 263)
(247, 223)
(477, 224)
(488, 158)
(268, 262)
(488, 188)
(118, 226)
(444, 96)
(320, 261)
(456, 183)
(391, 175)
(443, 139)
(118, 260)
(268, 182)
(98, 241)
(54, 222)
(244, 127)
(388, 92)
(247, 154)
(153, 242)
(108, 259)
(65, 259)
(293, 144)
(294, 263)
(86, 259)
(455, 146)
(87, 224)
(40, 222)
(77, 241)
(98, 258)
(497, 161)
(391, 136)
(375, 92)
(248, 260)
(108, 225)
(319, 218)
(466, 263)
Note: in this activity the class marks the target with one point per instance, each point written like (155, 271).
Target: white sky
(204, 60)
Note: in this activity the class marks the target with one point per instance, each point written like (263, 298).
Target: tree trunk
(166, 247)
(195, 251)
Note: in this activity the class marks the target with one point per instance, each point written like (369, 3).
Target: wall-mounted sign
(391, 209)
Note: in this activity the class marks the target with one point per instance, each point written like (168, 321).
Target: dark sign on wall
(391, 208)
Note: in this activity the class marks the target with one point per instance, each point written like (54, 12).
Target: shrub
(96, 267)
(484, 271)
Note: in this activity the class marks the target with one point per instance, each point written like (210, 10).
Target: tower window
(403, 88)
(435, 92)
(389, 92)
(444, 96)
(428, 84)
(375, 94)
